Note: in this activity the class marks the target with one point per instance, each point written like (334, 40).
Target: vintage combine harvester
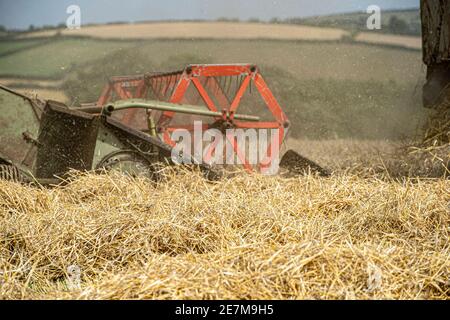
(130, 127)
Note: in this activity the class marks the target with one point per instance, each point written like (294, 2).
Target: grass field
(55, 59)
(7, 47)
(305, 60)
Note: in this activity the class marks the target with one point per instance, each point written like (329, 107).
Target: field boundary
(31, 46)
(136, 40)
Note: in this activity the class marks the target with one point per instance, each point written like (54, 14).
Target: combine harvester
(132, 125)
(435, 16)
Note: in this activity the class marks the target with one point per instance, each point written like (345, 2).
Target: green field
(11, 46)
(55, 59)
(328, 89)
(307, 60)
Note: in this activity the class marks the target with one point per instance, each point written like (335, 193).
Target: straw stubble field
(371, 231)
(246, 237)
(225, 30)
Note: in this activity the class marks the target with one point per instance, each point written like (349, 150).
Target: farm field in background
(223, 30)
(320, 83)
(199, 30)
(395, 40)
(10, 47)
(305, 59)
(54, 59)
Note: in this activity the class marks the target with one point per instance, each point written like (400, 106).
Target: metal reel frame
(172, 87)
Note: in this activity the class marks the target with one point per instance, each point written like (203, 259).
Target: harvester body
(41, 141)
(436, 52)
(19, 126)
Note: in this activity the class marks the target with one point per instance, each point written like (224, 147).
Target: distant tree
(294, 20)
(275, 20)
(31, 28)
(254, 20)
(118, 22)
(362, 23)
(2, 28)
(397, 25)
(225, 19)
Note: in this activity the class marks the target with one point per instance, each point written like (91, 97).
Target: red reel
(220, 88)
